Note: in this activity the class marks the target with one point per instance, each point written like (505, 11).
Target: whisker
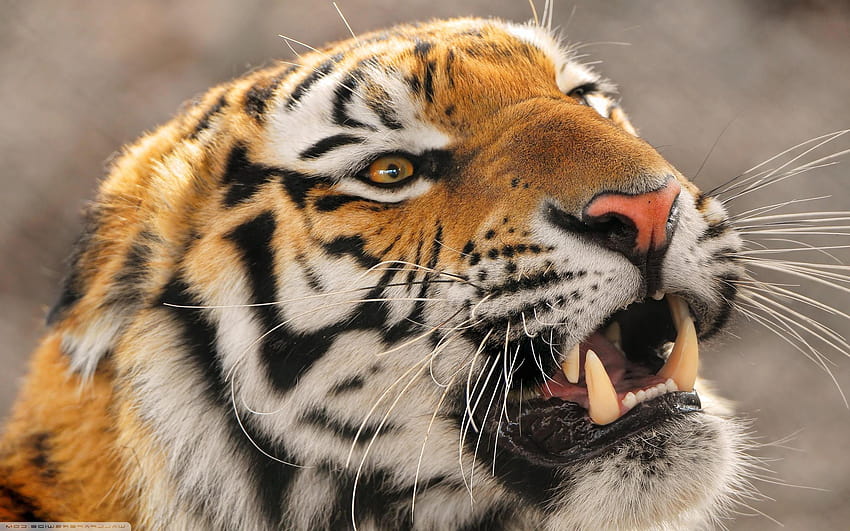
(468, 412)
(829, 136)
(441, 244)
(304, 298)
(425, 442)
(470, 409)
(347, 25)
(251, 439)
(375, 435)
(481, 432)
(524, 327)
(788, 324)
(754, 213)
(841, 346)
(534, 13)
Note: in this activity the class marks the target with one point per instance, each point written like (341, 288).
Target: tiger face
(430, 278)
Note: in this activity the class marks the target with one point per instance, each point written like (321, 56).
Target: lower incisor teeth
(632, 399)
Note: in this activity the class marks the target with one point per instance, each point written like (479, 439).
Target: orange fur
(77, 449)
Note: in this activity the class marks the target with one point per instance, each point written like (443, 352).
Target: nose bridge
(577, 153)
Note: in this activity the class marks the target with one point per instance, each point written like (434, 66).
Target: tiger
(426, 278)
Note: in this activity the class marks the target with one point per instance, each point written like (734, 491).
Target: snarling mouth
(635, 371)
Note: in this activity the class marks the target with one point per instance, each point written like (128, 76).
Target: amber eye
(390, 170)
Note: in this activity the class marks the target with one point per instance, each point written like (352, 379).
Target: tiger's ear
(619, 117)
(100, 291)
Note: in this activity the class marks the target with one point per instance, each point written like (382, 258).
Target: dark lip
(555, 433)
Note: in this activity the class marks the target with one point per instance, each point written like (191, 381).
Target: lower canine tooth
(683, 363)
(630, 400)
(604, 405)
(572, 365)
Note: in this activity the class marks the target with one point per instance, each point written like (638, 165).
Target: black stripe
(42, 449)
(199, 335)
(328, 144)
(205, 120)
(330, 203)
(714, 231)
(127, 288)
(73, 286)
(26, 509)
(436, 247)
(414, 83)
(535, 483)
(243, 177)
(256, 98)
(450, 59)
(728, 291)
(254, 240)
(428, 84)
(700, 201)
(313, 280)
(286, 353)
(342, 96)
(377, 499)
(298, 185)
(352, 246)
(320, 71)
(319, 417)
(386, 114)
(422, 48)
(352, 383)
(498, 518)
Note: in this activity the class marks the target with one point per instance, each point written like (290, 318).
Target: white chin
(679, 475)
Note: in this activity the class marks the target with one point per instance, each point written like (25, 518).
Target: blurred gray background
(79, 79)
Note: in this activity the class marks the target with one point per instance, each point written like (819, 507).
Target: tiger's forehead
(412, 88)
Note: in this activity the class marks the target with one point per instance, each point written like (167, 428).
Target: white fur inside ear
(88, 346)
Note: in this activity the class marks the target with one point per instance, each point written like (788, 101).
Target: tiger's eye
(390, 170)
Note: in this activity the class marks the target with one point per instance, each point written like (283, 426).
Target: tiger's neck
(58, 455)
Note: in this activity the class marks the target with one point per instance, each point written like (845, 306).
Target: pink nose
(646, 215)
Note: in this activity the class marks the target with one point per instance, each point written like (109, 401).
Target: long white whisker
(787, 323)
(344, 21)
(534, 13)
(425, 442)
(304, 298)
(251, 439)
(377, 432)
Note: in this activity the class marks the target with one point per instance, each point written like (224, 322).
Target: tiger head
(427, 278)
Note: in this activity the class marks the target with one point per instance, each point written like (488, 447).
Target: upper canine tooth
(604, 406)
(678, 309)
(614, 334)
(572, 364)
(683, 362)
(658, 295)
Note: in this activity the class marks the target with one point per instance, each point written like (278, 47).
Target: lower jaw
(555, 433)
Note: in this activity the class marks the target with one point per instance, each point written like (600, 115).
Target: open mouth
(634, 372)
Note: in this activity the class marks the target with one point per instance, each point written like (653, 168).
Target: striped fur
(252, 337)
